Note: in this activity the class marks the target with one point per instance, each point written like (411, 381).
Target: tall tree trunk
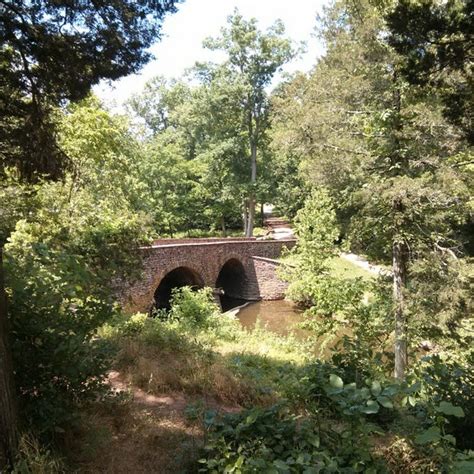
(8, 415)
(245, 215)
(399, 248)
(251, 216)
(251, 198)
(399, 268)
(262, 214)
(223, 228)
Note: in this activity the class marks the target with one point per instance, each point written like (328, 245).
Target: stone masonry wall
(271, 286)
(205, 260)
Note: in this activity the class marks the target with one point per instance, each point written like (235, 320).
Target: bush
(451, 380)
(193, 308)
(134, 325)
(275, 440)
(59, 269)
(317, 231)
(54, 315)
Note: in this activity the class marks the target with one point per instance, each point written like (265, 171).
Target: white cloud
(184, 31)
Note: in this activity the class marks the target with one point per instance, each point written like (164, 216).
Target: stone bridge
(241, 269)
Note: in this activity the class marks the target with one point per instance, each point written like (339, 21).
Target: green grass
(222, 360)
(342, 268)
(339, 267)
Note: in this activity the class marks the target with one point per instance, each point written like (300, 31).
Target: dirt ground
(145, 434)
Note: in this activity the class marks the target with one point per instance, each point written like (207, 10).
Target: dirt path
(146, 434)
(278, 228)
(363, 263)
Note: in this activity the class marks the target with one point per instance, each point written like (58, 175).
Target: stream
(278, 316)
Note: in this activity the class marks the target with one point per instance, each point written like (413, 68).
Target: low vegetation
(199, 392)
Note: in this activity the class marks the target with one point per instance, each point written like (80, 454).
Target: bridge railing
(216, 241)
(197, 240)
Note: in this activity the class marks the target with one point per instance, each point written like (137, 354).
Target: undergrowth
(254, 401)
(204, 353)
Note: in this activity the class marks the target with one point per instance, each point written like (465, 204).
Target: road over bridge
(240, 268)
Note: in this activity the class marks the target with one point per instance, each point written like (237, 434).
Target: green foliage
(63, 257)
(275, 440)
(448, 384)
(193, 308)
(17, 200)
(164, 187)
(316, 229)
(440, 296)
(205, 140)
(390, 160)
(158, 105)
(134, 325)
(55, 306)
(51, 54)
(333, 435)
(386, 162)
(238, 86)
(435, 43)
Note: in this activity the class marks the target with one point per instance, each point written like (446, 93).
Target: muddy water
(279, 316)
(282, 317)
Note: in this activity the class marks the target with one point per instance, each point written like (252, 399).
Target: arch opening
(177, 278)
(232, 282)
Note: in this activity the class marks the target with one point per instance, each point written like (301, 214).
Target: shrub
(451, 380)
(275, 440)
(54, 315)
(134, 325)
(317, 231)
(59, 268)
(193, 308)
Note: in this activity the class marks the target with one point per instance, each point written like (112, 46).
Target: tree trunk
(251, 216)
(8, 415)
(223, 228)
(244, 215)
(399, 248)
(251, 198)
(262, 214)
(399, 282)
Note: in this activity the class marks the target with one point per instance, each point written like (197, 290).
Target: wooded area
(369, 152)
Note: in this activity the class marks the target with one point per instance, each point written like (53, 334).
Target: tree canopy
(54, 51)
(436, 41)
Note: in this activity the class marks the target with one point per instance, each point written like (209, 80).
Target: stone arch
(232, 282)
(177, 278)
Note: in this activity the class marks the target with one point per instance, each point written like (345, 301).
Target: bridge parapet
(201, 240)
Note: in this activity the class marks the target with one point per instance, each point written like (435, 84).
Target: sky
(183, 33)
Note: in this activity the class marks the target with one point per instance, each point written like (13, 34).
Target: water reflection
(279, 316)
(228, 302)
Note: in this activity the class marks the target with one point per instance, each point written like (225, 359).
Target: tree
(220, 153)
(436, 44)
(173, 168)
(62, 259)
(157, 105)
(317, 231)
(253, 58)
(165, 185)
(52, 52)
(8, 415)
(384, 151)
